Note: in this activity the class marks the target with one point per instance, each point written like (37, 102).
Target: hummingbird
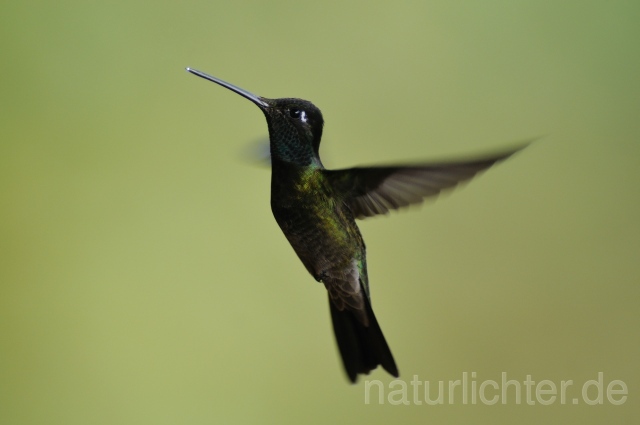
(317, 209)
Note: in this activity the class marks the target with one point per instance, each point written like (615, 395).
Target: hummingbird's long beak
(252, 97)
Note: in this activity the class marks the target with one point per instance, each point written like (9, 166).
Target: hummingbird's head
(295, 125)
(295, 129)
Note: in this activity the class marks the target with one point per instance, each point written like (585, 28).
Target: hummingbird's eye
(298, 114)
(294, 113)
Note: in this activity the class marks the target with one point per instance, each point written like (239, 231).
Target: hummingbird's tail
(362, 347)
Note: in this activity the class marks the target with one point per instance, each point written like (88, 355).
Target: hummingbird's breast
(319, 226)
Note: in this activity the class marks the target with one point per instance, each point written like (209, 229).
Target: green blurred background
(143, 279)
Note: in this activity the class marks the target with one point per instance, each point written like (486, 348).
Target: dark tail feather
(362, 348)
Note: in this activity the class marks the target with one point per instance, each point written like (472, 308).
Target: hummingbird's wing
(375, 190)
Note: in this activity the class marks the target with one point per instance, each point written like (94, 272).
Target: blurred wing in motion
(375, 190)
(257, 153)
